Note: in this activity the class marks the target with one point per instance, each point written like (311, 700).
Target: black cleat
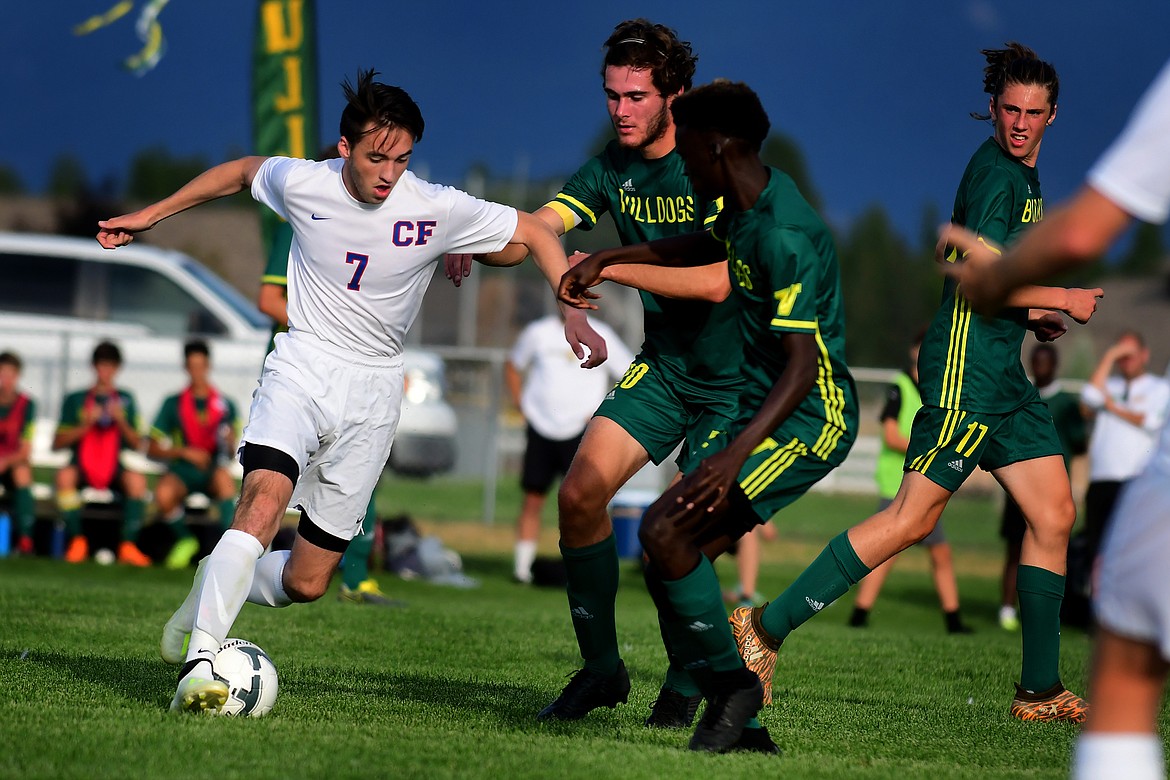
(756, 741)
(587, 691)
(722, 724)
(672, 710)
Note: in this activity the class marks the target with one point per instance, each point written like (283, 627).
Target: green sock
(698, 602)
(754, 723)
(825, 580)
(1041, 592)
(135, 514)
(24, 507)
(227, 513)
(592, 574)
(357, 556)
(72, 520)
(678, 679)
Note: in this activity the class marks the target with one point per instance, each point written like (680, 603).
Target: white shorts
(1133, 592)
(336, 417)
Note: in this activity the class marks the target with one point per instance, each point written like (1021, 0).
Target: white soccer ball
(250, 676)
(104, 557)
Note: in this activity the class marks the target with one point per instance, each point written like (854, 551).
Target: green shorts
(196, 480)
(659, 413)
(947, 444)
(779, 471)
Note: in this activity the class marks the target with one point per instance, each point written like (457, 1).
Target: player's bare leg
(607, 457)
(223, 584)
(1121, 736)
(1040, 486)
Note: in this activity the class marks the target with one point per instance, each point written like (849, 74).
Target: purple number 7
(353, 257)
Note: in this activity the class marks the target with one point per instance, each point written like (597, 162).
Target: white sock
(524, 557)
(227, 578)
(1106, 755)
(1007, 612)
(268, 582)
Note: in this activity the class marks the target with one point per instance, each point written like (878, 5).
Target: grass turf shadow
(134, 679)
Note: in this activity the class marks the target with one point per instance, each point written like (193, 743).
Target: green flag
(284, 88)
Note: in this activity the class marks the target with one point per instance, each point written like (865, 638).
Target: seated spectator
(195, 433)
(97, 424)
(17, 415)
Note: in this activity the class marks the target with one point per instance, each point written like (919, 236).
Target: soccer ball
(104, 557)
(250, 676)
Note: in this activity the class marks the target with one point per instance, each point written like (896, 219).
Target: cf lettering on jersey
(408, 233)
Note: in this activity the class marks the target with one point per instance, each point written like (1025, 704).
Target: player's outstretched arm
(224, 179)
(458, 267)
(1072, 235)
(692, 249)
(548, 254)
(1076, 302)
(703, 283)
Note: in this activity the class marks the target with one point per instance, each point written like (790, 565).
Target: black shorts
(1013, 524)
(545, 460)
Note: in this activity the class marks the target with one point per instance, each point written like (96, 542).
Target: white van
(60, 296)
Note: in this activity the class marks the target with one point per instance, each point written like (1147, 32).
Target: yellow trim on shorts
(950, 424)
(571, 201)
(776, 464)
(833, 398)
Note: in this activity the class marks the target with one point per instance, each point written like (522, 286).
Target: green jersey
(74, 405)
(785, 278)
(696, 342)
(967, 361)
(16, 423)
(169, 421)
(1065, 408)
(276, 271)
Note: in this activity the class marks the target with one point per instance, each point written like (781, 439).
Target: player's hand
(574, 287)
(581, 335)
(1083, 303)
(979, 273)
(198, 458)
(1048, 327)
(702, 495)
(457, 267)
(119, 231)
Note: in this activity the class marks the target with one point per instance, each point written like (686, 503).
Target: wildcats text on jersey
(659, 209)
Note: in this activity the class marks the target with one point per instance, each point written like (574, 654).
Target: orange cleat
(1056, 703)
(78, 550)
(756, 648)
(129, 554)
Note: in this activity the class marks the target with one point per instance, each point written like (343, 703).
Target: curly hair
(386, 106)
(643, 45)
(729, 108)
(1016, 64)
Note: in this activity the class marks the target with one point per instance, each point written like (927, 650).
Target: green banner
(284, 87)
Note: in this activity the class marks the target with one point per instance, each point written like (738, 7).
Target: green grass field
(448, 686)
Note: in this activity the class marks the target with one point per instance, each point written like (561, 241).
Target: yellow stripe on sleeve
(274, 279)
(801, 324)
(588, 212)
(567, 215)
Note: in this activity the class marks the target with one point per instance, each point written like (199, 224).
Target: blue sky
(877, 95)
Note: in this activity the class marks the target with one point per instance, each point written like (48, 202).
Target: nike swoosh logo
(316, 218)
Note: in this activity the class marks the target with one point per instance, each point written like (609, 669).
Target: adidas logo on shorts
(957, 465)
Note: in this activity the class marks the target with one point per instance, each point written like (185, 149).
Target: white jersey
(1135, 172)
(559, 396)
(1118, 449)
(357, 271)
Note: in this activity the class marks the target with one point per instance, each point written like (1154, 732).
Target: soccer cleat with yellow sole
(754, 645)
(198, 689)
(1056, 703)
(368, 592)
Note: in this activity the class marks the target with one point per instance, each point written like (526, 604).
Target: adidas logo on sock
(628, 185)
(816, 605)
(699, 626)
(957, 465)
(580, 613)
